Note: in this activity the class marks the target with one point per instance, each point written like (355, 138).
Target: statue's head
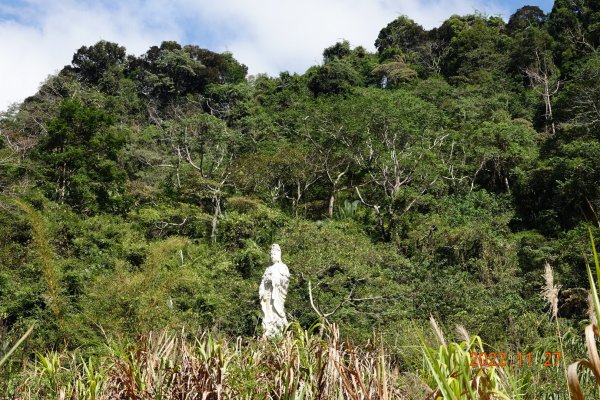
(275, 253)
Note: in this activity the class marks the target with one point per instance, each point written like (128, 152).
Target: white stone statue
(272, 292)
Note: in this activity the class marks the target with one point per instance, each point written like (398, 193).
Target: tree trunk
(215, 219)
(331, 204)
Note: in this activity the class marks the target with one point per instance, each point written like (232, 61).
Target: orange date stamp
(503, 359)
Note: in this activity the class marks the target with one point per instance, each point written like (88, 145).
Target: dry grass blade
(591, 332)
(590, 310)
(16, 345)
(573, 378)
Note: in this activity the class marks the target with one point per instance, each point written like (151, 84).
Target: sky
(39, 37)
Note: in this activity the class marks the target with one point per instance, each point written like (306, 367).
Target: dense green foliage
(433, 177)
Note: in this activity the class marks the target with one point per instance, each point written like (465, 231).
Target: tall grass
(6, 356)
(50, 268)
(453, 376)
(550, 292)
(299, 365)
(591, 332)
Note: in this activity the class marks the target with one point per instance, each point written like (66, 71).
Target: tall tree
(525, 17)
(478, 47)
(579, 104)
(575, 25)
(398, 152)
(81, 158)
(402, 34)
(204, 150)
(93, 62)
(544, 78)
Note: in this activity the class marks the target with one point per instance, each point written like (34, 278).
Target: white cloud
(276, 35)
(267, 35)
(32, 51)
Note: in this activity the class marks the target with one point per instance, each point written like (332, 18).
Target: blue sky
(40, 36)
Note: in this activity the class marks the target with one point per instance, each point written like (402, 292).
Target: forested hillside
(434, 177)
